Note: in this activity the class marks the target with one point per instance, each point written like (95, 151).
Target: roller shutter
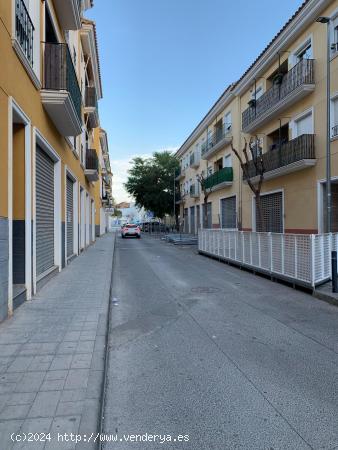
(192, 220)
(186, 221)
(198, 216)
(209, 215)
(44, 211)
(228, 212)
(272, 208)
(70, 217)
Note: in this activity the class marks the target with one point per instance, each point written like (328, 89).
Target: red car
(131, 230)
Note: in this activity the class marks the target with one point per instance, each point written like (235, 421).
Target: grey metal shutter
(272, 208)
(198, 214)
(70, 217)
(209, 215)
(44, 211)
(186, 220)
(192, 220)
(228, 212)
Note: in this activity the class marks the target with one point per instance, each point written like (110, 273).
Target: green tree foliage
(151, 182)
(117, 213)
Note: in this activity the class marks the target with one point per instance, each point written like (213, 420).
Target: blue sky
(165, 62)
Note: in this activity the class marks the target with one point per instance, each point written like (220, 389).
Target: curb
(106, 359)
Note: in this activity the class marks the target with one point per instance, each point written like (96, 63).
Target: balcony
(194, 160)
(24, 30)
(219, 179)
(179, 174)
(194, 191)
(92, 165)
(69, 13)
(296, 84)
(297, 154)
(219, 139)
(91, 107)
(335, 131)
(61, 95)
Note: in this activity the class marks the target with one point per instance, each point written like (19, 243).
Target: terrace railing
(302, 147)
(302, 73)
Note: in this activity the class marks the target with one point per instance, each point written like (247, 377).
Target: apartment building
(279, 104)
(55, 175)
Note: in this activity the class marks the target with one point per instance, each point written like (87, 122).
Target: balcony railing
(92, 161)
(301, 74)
(300, 148)
(335, 131)
(59, 73)
(91, 97)
(24, 29)
(224, 175)
(216, 137)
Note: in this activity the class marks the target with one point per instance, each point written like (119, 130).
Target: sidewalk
(52, 355)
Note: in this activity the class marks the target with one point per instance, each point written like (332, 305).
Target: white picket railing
(302, 258)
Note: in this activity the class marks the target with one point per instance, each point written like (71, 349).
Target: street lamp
(326, 20)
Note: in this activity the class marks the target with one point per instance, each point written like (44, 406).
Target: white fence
(302, 258)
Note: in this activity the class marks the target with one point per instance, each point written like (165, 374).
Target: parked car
(131, 229)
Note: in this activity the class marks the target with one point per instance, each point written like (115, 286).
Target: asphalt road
(227, 359)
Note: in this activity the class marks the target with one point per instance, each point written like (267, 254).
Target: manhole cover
(205, 290)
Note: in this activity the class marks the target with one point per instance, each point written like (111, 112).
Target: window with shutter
(272, 211)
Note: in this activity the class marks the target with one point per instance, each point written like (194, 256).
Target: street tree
(257, 162)
(151, 182)
(202, 180)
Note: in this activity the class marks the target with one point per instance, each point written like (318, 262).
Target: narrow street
(215, 354)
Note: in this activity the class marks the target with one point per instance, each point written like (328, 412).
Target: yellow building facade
(279, 104)
(54, 165)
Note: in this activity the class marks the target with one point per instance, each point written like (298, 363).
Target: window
(227, 121)
(305, 53)
(228, 212)
(259, 92)
(334, 116)
(209, 137)
(303, 125)
(227, 161)
(272, 213)
(334, 32)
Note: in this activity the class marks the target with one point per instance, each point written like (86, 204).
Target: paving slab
(51, 354)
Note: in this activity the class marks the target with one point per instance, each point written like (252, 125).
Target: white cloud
(120, 169)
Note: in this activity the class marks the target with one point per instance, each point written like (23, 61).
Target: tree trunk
(260, 225)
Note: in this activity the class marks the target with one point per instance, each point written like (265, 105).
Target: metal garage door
(186, 221)
(192, 220)
(228, 212)
(209, 215)
(70, 217)
(198, 216)
(44, 212)
(272, 207)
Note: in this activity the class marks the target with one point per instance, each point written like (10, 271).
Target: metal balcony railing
(335, 131)
(302, 147)
(92, 161)
(91, 97)
(24, 29)
(59, 73)
(217, 136)
(301, 73)
(224, 175)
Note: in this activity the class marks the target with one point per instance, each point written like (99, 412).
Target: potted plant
(252, 103)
